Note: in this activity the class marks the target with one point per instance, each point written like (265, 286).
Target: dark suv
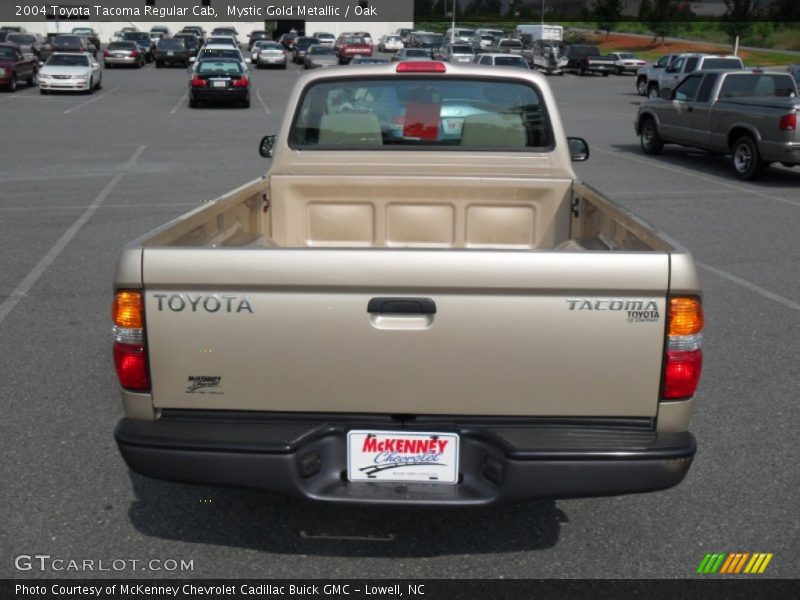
(171, 51)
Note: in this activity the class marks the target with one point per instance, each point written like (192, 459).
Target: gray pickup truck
(749, 115)
(419, 303)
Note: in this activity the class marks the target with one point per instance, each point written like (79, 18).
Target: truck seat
(504, 131)
(350, 129)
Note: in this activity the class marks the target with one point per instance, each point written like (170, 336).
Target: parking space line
(682, 171)
(95, 99)
(750, 286)
(264, 104)
(178, 105)
(33, 276)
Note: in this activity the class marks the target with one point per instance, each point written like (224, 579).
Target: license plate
(120, 55)
(452, 126)
(400, 456)
(219, 84)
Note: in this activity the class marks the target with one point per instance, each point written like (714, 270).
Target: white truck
(543, 47)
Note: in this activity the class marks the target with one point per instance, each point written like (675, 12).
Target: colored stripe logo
(734, 563)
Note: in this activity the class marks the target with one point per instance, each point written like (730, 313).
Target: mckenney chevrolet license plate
(400, 456)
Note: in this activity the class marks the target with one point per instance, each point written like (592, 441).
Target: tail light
(788, 122)
(106, 53)
(130, 353)
(134, 53)
(241, 82)
(427, 66)
(198, 81)
(684, 358)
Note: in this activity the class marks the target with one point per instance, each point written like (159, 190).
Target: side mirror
(267, 146)
(665, 94)
(578, 149)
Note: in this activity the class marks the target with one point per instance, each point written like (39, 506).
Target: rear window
(21, 38)
(747, 85)
(722, 63)
(421, 113)
(464, 49)
(174, 44)
(137, 35)
(227, 67)
(510, 61)
(122, 46)
(430, 39)
(220, 53)
(67, 39)
(416, 52)
(511, 44)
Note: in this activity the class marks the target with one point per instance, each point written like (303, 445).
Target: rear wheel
(107, 65)
(606, 73)
(620, 71)
(192, 103)
(581, 70)
(159, 64)
(99, 84)
(649, 139)
(31, 81)
(12, 85)
(641, 86)
(246, 103)
(747, 163)
(42, 92)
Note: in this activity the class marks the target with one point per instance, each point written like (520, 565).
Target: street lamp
(453, 26)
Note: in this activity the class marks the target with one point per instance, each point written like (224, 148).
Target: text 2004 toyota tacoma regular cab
(419, 304)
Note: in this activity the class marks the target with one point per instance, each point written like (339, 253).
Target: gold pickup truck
(419, 304)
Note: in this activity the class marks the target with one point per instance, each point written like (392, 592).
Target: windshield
(431, 39)
(137, 35)
(6, 53)
(67, 60)
(400, 113)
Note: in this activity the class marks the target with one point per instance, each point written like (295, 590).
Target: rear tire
(581, 70)
(606, 73)
(641, 86)
(192, 103)
(620, 71)
(747, 163)
(12, 86)
(159, 64)
(649, 139)
(31, 81)
(246, 103)
(42, 92)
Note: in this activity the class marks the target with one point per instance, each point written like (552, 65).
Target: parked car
(219, 80)
(221, 52)
(190, 40)
(68, 71)
(46, 47)
(71, 43)
(506, 46)
(328, 39)
(411, 54)
(366, 35)
(198, 31)
(301, 45)
(626, 62)
(225, 31)
(257, 36)
(287, 40)
(403, 33)
(15, 67)
(164, 31)
(483, 39)
(459, 34)
(426, 40)
(547, 56)
(91, 35)
(30, 44)
(678, 69)
(171, 51)
(348, 46)
(270, 54)
(459, 52)
(144, 41)
(645, 74)
(320, 55)
(390, 43)
(752, 116)
(125, 53)
(585, 58)
(502, 60)
(221, 40)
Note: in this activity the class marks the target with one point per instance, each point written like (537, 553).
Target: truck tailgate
(514, 332)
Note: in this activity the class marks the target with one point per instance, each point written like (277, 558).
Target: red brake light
(241, 82)
(105, 53)
(789, 122)
(130, 361)
(420, 66)
(135, 53)
(682, 373)
(198, 81)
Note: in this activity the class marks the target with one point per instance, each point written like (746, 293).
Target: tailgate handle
(402, 306)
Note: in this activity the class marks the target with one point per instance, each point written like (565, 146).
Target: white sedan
(65, 71)
(625, 62)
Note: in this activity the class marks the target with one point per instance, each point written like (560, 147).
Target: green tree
(738, 18)
(661, 18)
(607, 13)
(785, 11)
(440, 7)
(423, 8)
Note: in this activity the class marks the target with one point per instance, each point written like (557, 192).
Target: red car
(14, 67)
(348, 46)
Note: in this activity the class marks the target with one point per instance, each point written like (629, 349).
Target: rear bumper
(220, 95)
(498, 464)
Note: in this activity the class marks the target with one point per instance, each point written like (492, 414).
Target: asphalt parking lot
(81, 175)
